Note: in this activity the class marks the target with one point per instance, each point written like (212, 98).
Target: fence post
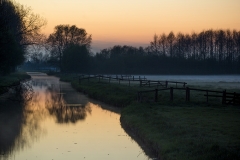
(171, 93)
(156, 95)
(166, 84)
(224, 97)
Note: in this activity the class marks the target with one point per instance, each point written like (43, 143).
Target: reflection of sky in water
(60, 123)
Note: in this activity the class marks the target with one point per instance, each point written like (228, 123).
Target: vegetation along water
(174, 129)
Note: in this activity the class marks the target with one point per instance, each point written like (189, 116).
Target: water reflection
(19, 128)
(64, 112)
(32, 130)
(20, 123)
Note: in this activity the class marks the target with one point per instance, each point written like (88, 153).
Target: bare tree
(32, 24)
(154, 45)
(163, 43)
(19, 28)
(171, 38)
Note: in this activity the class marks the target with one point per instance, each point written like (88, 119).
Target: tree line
(207, 52)
(68, 48)
(220, 45)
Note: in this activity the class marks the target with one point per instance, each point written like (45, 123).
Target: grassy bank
(173, 129)
(12, 79)
(186, 132)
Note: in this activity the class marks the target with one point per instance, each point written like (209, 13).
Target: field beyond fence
(161, 87)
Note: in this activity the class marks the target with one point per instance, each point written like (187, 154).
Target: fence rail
(227, 97)
(143, 82)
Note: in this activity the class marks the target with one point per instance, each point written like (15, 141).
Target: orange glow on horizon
(137, 21)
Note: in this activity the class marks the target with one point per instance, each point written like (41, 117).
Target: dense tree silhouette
(76, 58)
(19, 28)
(207, 52)
(65, 35)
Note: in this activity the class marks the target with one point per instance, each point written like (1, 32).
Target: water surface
(60, 123)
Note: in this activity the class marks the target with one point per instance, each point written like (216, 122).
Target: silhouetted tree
(171, 38)
(154, 45)
(76, 58)
(65, 35)
(195, 53)
(19, 28)
(163, 43)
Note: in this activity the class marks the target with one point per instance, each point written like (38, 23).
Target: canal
(59, 123)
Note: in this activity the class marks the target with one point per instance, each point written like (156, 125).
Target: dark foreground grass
(12, 79)
(173, 129)
(192, 132)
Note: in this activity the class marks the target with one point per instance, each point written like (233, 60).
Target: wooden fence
(142, 81)
(227, 98)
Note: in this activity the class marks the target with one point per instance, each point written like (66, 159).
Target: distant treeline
(207, 52)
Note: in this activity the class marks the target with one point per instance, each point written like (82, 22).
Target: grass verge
(173, 129)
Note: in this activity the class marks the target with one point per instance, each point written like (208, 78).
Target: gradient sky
(134, 22)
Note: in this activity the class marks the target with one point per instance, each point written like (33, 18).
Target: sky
(134, 22)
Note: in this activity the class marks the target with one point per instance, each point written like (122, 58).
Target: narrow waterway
(59, 123)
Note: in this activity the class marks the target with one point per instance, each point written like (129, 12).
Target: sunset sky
(134, 22)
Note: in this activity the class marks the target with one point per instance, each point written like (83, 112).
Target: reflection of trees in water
(20, 123)
(19, 126)
(21, 93)
(65, 113)
(10, 128)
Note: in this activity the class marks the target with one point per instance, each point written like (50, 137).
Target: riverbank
(173, 130)
(12, 79)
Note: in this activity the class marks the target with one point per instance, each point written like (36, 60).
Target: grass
(192, 132)
(114, 94)
(12, 79)
(174, 129)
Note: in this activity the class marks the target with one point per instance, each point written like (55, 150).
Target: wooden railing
(143, 82)
(227, 98)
